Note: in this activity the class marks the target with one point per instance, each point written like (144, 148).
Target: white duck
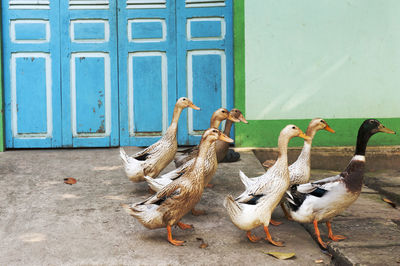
(255, 205)
(300, 170)
(152, 160)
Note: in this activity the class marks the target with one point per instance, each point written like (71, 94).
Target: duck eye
(322, 121)
(294, 127)
(184, 99)
(223, 111)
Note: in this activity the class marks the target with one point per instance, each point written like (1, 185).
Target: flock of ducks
(177, 192)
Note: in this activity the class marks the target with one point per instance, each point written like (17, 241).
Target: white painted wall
(333, 59)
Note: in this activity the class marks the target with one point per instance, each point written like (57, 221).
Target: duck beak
(225, 138)
(304, 136)
(191, 105)
(234, 119)
(328, 128)
(241, 118)
(384, 129)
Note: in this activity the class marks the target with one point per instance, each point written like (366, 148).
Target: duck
(322, 200)
(254, 206)
(215, 150)
(167, 207)
(222, 147)
(217, 117)
(152, 160)
(300, 170)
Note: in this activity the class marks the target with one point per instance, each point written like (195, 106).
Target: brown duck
(218, 116)
(172, 202)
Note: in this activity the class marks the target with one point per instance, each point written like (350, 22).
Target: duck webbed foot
(252, 237)
(269, 238)
(184, 226)
(171, 240)
(316, 229)
(331, 235)
(273, 222)
(198, 212)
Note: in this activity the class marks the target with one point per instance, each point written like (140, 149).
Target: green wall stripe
(239, 49)
(264, 133)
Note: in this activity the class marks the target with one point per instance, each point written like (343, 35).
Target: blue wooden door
(204, 62)
(75, 76)
(89, 73)
(31, 49)
(147, 65)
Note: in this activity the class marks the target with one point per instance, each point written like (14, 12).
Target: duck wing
(298, 193)
(169, 191)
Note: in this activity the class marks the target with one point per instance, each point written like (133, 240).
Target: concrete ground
(46, 222)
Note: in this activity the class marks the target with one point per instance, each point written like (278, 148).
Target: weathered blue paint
(205, 29)
(89, 76)
(90, 109)
(30, 31)
(31, 91)
(147, 77)
(89, 31)
(147, 30)
(141, 53)
(30, 58)
(114, 86)
(210, 49)
(206, 81)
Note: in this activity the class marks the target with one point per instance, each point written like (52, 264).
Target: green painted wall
(297, 60)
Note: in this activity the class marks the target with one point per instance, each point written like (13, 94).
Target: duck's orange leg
(331, 235)
(173, 241)
(184, 226)
(269, 238)
(285, 212)
(322, 243)
(252, 237)
(273, 222)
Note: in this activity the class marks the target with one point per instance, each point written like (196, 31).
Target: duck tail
(154, 183)
(245, 180)
(232, 207)
(123, 155)
(128, 209)
(147, 215)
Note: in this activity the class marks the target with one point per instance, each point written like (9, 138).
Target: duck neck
(173, 127)
(228, 126)
(282, 151)
(306, 151)
(362, 141)
(215, 122)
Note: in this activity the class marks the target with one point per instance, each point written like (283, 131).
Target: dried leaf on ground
(70, 181)
(281, 255)
(203, 244)
(391, 203)
(268, 163)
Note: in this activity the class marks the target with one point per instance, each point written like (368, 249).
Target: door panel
(147, 63)
(205, 71)
(32, 53)
(89, 73)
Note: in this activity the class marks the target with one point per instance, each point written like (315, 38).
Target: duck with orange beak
(322, 200)
(254, 206)
(172, 202)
